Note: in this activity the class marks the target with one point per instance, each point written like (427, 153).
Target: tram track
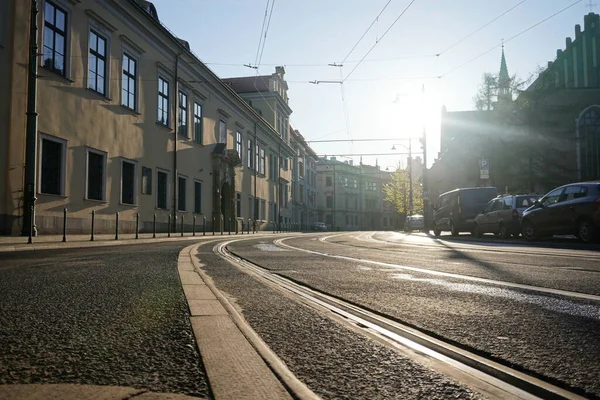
(489, 376)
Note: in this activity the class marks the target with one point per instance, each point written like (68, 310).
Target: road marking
(559, 292)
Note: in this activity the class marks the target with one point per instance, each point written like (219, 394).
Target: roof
(249, 84)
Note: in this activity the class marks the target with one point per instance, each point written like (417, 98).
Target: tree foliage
(397, 192)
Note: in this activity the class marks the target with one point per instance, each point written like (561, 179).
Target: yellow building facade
(130, 121)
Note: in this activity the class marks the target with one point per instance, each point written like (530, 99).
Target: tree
(487, 94)
(397, 192)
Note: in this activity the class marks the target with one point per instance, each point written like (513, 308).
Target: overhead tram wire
(382, 36)
(260, 38)
(366, 31)
(511, 38)
(480, 28)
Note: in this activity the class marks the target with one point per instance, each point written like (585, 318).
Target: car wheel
(586, 231)
(436, 230)
(504, 233)
(453, 229)
(529, 230)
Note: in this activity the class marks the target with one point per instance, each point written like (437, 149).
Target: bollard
(137, 225)
(237, 229)
(203, 225)
(194, 226)
(242, 222)
(169, 227)
(273, 222)
(117, 226)
(249, 225)
(30, 240)
(229, 224)
(221, 223)
(175, 224)
(213, 226)
(254, 227)
(154, 227)
(182, 226)
(64, 225)
(93, 218)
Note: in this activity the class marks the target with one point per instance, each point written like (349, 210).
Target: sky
(413, 63)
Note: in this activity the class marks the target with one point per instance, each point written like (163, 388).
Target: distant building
(304, 181)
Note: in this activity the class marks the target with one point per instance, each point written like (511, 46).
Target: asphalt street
(553, 336)
(99, 316)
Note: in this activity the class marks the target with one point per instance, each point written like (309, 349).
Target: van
(456, 210)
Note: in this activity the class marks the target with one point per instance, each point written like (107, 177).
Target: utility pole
(29, 228)
(410, 183)
(425, 178)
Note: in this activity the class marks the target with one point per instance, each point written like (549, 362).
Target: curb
(275, 366)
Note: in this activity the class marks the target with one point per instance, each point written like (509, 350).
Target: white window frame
(125, 52)
(195, 133)
(239, 145)
(68, 10)
(63, 163)
(89, 150)
(167, 123)
(135, 181)
(179, 197)
(220, 139)
(162, 171)
(186, 132)
(104, 33)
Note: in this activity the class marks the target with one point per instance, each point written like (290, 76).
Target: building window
(182, 120)
(96, 175)
(238, 144)
(146, 180)
(222, 131)
(301, 170)
(55, 38)
(262, 162)
(127, 182)
(197, 122)
(163, 102)
(129, 90)
(162, 189)
(97, 63)
(345, 182)
(181, 193)
(238, 207)
(372, 186)
(328, 181)
(263, 209)
(250, 155)
(589, 136)
(329, 202)
(52, 166)
(302, 193)
(198, 197)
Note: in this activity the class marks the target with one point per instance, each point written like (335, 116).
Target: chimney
(577, 31)
(569, 41)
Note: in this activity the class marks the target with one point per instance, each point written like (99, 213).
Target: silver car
(414, 223)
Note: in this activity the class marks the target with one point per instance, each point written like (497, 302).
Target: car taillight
(515, 214)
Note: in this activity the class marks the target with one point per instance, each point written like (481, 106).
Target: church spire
(504, 92)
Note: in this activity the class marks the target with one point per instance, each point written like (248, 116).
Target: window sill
(130, 110)
(128, 205)
(163, 126)
(54, 75)
(96, 201)
(58, 196)
(183, 211)
(101, 96)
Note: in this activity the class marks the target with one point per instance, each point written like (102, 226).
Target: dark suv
(572, 209)
(456, 210)
(502, 215)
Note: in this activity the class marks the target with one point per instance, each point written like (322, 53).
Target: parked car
(502, 215)
(572, 209)
(318, 226)
(456, 210)
(414, 222)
